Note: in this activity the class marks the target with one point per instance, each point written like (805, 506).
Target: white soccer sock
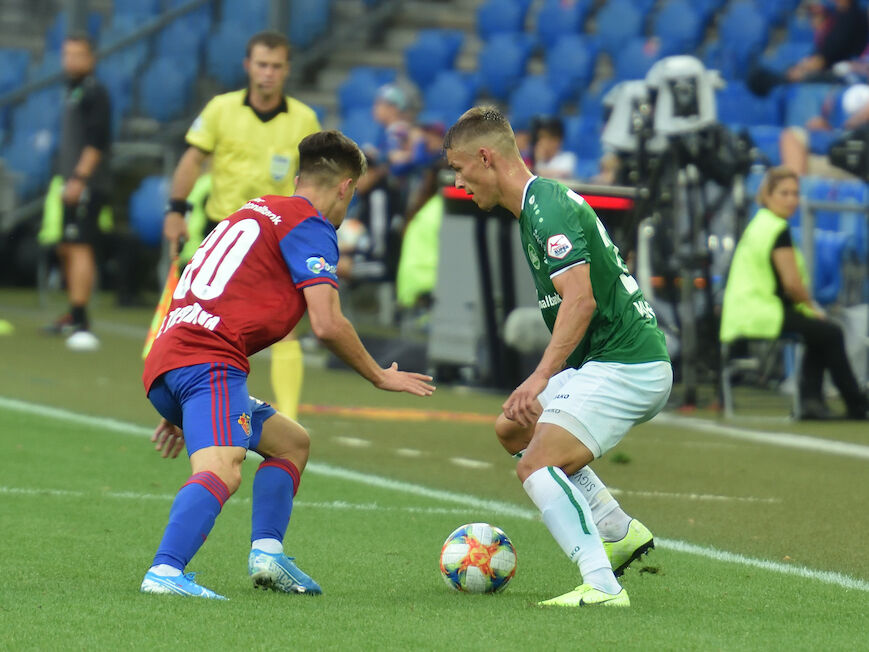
(568, 517)
(165, 570)
(271, 546)
(611, 520)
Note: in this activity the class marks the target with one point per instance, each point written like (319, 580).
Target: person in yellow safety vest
(767, 295)
(252, 137)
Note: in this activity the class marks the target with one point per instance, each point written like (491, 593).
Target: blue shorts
(211, 404)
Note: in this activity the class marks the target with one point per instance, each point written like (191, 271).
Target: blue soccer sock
(191, 518)
(274, 486)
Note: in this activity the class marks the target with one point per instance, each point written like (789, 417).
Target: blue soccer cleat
(179, 585)
(279, 573)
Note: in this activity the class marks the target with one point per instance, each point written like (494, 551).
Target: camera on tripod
(673, 112)
(851, 152)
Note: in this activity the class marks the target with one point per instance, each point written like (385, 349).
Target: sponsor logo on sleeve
(244, 422)
(197, 124)
(318, 264)
(558, 246)
(533, 257)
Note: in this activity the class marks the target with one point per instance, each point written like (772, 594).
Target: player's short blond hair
(485, 124)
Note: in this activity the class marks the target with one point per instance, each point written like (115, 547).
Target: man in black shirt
(84, 166)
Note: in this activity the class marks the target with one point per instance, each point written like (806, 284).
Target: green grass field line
(467, 500)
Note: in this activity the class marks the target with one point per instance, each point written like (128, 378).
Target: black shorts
(80, 220)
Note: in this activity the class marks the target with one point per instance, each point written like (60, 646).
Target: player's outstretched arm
(337, 333)
(168, 439)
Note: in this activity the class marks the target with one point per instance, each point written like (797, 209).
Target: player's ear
(247, 65)
(485, 156)
(344, 187)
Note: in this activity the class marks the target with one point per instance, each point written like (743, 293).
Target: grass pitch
(83, 502)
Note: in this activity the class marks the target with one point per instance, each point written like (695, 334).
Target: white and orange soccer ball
(478, 558)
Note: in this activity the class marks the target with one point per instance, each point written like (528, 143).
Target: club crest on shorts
(244, 422)
(558, 246)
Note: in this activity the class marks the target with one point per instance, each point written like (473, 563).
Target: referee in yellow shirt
(252, 136)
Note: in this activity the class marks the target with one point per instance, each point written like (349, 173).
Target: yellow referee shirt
(251, 157)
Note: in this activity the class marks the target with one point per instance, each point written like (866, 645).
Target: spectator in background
(550, 160)
(841, 34)
(252, 137)
(804, 149)
(767, 295)
(84, 165)
(390, 111)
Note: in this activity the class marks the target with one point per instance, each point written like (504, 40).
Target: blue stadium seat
(706, 9)
(587, 168)
(40, 111)
(120, 28)
(776, 11)
(147, 206)
(166, 87)
(13, 68)
(766, 139)
(358, 125)
(250, 15)
(358, 91)
(679, 27)
(591, 102)
(139, 9)
(432, 53)
(804, 101)
(201, 16)
(309, 19)
(500, 17)
(57, 30)
(502, 63)
(180, 39)
(787, 54)
(829, 256)
(738, 106)
(743, 30)
(449, 95)
(582, 137)
(531, 98)
(119, 84)
(617, 23)
(558, 18)
(800, 29)
(570, 64)
(635, 58)
(29, 156)
(224, 53)
(49, 65)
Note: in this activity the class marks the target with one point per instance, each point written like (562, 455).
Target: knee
(525, 467)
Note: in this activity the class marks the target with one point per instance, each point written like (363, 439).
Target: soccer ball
(478, 558)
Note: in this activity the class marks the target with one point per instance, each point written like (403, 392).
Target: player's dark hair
(327, 155)
(481, 122)
(270, 39)
(78, 36)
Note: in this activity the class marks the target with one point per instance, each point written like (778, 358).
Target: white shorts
(599, 402)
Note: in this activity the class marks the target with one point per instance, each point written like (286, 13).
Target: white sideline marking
(708, 497)
(408, 452)
(469, 463)
(782, 439)
(353, 442)
(498, 507)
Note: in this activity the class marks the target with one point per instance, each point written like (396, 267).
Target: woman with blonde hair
(767, 295)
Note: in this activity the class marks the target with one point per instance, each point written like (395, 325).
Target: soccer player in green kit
(605, 368)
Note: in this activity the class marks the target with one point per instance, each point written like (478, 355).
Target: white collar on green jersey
(525, 191)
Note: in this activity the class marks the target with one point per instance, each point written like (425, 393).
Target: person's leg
(215, 414)
(287, 372)
(81, 272)
(625, 538)
(793, 145)
(285, 446)
(552, 453)
(825, 349)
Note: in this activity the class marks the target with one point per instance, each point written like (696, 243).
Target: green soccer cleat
(636, 543)
(588, 596)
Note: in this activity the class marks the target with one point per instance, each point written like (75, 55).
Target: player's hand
(174, 229)
(168, 438)
(394, 380)
(72, 190)
(523, 406)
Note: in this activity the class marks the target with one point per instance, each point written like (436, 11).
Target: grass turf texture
(72, 562)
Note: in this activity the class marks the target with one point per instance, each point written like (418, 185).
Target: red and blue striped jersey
(242, 290)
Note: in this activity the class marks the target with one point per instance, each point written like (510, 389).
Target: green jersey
(559, 230)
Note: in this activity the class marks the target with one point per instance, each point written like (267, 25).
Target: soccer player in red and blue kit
(246, 287)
